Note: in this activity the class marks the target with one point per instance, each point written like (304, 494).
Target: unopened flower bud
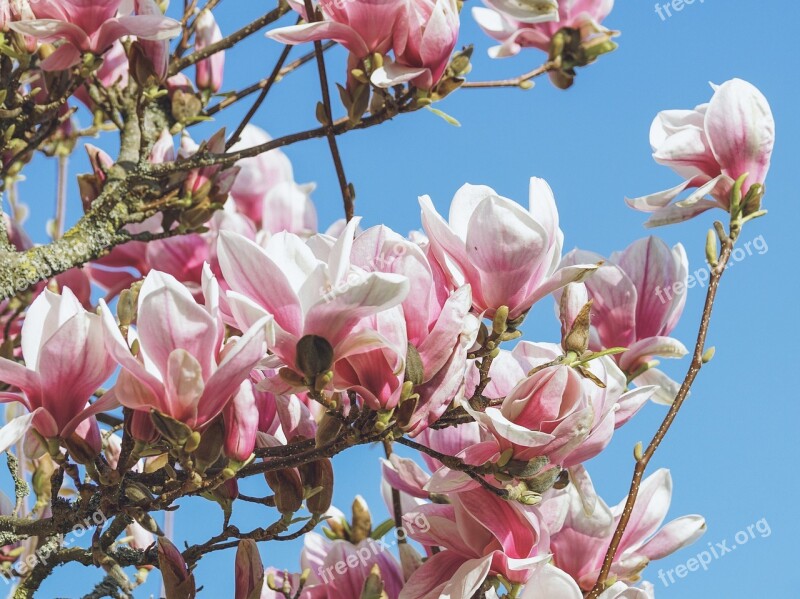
(317, 477)
(287, 488)
(361, 526)
(249, 577)
(178, 581)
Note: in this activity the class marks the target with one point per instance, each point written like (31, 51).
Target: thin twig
(347, 196)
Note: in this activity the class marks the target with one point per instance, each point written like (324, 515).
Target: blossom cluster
(234, 333)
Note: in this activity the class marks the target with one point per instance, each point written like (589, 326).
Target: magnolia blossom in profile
(181, 369)
(507, 22)
(581, 543)
(65, 363)
(638, 296)
(710, 147)
(89, 27)
(507, 254)
(209, 71)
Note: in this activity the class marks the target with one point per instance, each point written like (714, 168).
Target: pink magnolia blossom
(580, 545)
(312, 290)
(638, 297)
(210, 70)
(89, 27)
(363, 27)
(506, 22)
(423, 46)
(182, 368)
(65, 363)
(507, 254)
(711, 147)
(480, 535)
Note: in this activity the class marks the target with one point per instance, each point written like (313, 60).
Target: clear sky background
(733, 451)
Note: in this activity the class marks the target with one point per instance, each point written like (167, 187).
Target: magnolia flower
(480, 535)
(182, 368)
(711, 147)
(363, 27)
(65, 363)
(638, 297)
(506, 22)
(157, 50)
(260, 174)
(507, 254)
(89, 27)
(317, 298)
(209, 71)
(432, 321)
(422, 48)
(580, 545)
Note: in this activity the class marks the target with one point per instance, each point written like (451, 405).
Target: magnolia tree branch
(228, 42)
(643, 459)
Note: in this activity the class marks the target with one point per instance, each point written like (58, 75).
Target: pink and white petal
(666, 388)
(107, 402)
(562, 277)
(49, 30)
(494, 420)
(527, 12)
(631, 402)
(741, 130)
(245, 266)
(335, 318)
(445, 244)
(15, 429)
(170, 319)
(16, 375)
(675, 535)
(65, 57)
(678, 214)
(392, 73)
(184, 386)
(235, 367)
(649, 511)
(322, 30)
(644, 349)
(405, 475)
(657, 201)
(437, 346)
(447, 575)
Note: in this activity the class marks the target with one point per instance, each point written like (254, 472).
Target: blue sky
(733, 448)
